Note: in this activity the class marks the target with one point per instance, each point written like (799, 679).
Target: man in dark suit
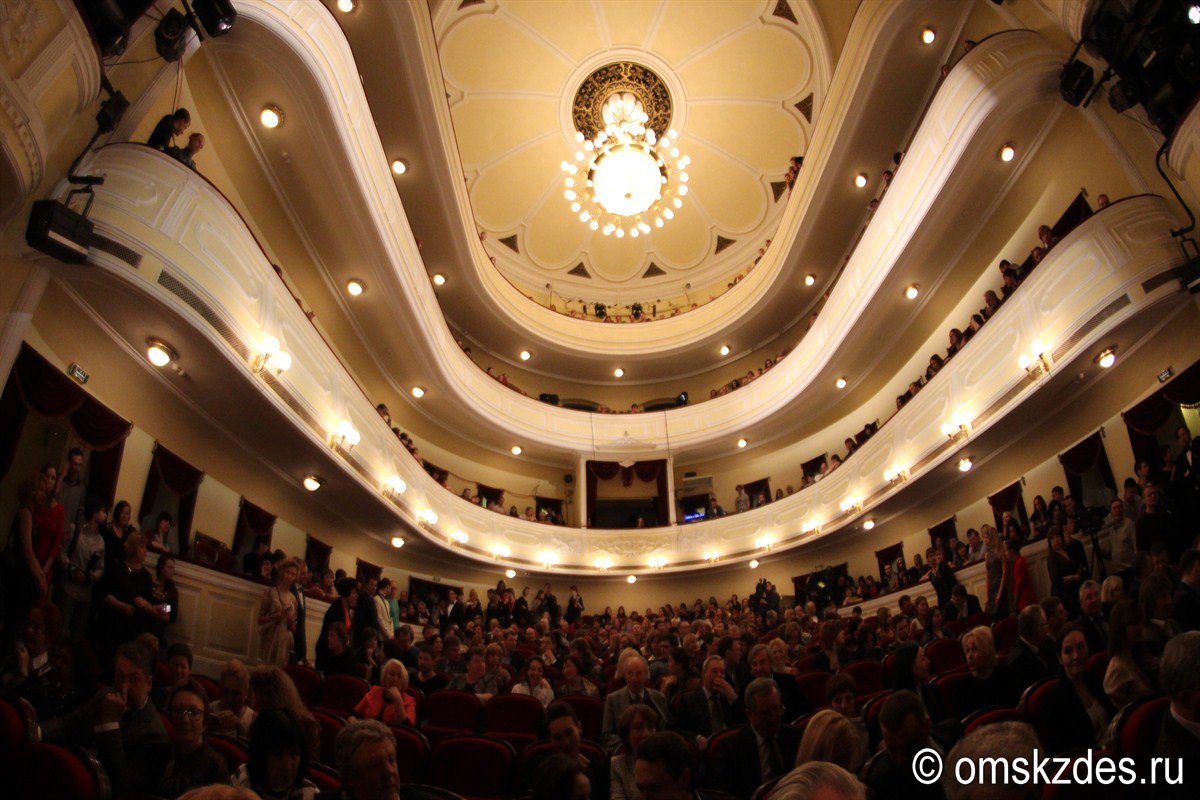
(795, 703)
(1178, 741)
(1186, 608)
(1091, 617)
(761, 751)
(941, 577)
(1030, 659)
(299, 638)
(366, 759)
(456, 613)
(635, 690)
(961, 605)
(710, 709)
(121, 725)
(906, 729)
(550, 603)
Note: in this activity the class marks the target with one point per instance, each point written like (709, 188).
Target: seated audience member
(1155, 597)
(572, 680)
(761, 751)
(637, 722)
(1056, 617)
(1179, 735)
(1112, 591)
(962, 605)
(321, 587)
(276, 758)
(906, 729)
(535, 683)
(665, 768)
(1091, 617)
(389, 702)
(565, 732)
(169, 127)
(270, 687)
(819, 781)
(1031, 657)
(1002, 740)
(560, 778)
(232, 714)
(476, 680)
(192, 762)
(339, 658)
(1131, 673)
(830, 736)
(427, 679)
(911, 672)
(1186, 608)
(635, 690)
(252, 561)
(1076, 712)
(832, 654)
(715, 707)
(366, 759)
(762, 665)
(121, 725)
(989, 684)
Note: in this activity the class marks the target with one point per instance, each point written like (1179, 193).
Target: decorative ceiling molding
(587, 109)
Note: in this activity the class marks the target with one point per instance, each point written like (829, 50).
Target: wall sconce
(764, 543)
(711, 556)
(957, 429)
(754, 563)
(603, 564)
(965, 464)
(429, 517)
(271, 357)
(895, 474)
(459, 538)
(501, 551)
(548, 559)
(1034, 363)
(346, 436)
(394, 486)
(658, 562)
(397, 542)
(810, 527)
(851, 505)
(1107, 357)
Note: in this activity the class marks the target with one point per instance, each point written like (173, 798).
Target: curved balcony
(199, 259)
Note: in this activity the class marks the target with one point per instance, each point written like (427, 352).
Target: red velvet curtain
(316, 554)
(365, 571)
(888, 555)
(645, 471)
(1083, 457)
(181, 479)
(944, 530)
(1144, 419)
(1010, 499)
(103, 468)
(253, 521)
(490, 494)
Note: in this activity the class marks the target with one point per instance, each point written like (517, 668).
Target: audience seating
(1098, 665)
(233, 751)
(990, 715)
(945, 655)
(710, 752)
(982, 618)
(764, 792)
(412, 753)
(1004, 632)
(868, 677)
(590, 711)
(956, 627)
(515, 718)
(434, 792)
(209, 685)
(47, 770)
(308, 682)
(1033, 703)
(476, 767)
(419, 698)
(812, 686)
(889, 671)
(1093, 790)
(14, 730)
(948, 685)
(331, 724)
(341, 693)
(1137, 728)
(805, 664)
(870, 715)
(450, 712)
(325, 778)
(543, 748)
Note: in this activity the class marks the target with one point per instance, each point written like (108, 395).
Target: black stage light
(552, 399)
(1076, 82)
(170, 37)
(217, 16)
(601, 311)
(682, 399)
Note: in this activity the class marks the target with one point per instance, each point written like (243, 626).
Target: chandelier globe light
(627, 179)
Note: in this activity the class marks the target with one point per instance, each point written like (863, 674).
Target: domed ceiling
(739, 83)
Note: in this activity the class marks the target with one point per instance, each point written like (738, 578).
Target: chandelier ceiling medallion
(627, 177)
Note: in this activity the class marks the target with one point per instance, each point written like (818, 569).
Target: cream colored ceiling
(736, 73)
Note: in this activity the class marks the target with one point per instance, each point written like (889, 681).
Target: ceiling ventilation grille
(107, 245)
(778, 187)
(723, 243)
(653, 271)
(511, 243)
(206, 312)
(782, 9)
(1161, 279)
(580, 271)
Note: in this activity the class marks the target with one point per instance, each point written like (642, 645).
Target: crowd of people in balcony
(168, 129)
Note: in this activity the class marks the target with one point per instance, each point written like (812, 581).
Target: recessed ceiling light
(510, 573)
(312, 482)
(159, 353)
(810, 279)
(618, 372)
(724, 349)
(965, 464)
(912, 291)
(928, 35)
(271, 117)
(399, 166)
(1194, 14)
(525, 356)
(397, 542)
(516, 450)
(1008, 153)
(741, 442)
(754, 563)
(439, 279)
(355, 287)
(840, 383)
(345, 6)
(1108, 357)
(860, 180)
(418, 392)
(868, 525)
(631, 579)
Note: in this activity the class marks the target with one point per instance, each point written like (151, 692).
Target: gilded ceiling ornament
(20, 21)
(587, 109)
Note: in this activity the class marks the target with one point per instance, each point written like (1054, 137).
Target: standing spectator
(338, 612)
(169, 127)
(72, 491)
(574, 607)
(165, 596)
(941, 577)
(997, 572)
(1067, 574)
(128, 608)
(383, 611)
(81, 566)
(50, 520)
(277, 617)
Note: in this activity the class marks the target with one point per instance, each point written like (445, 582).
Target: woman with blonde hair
(277, 615)
(833, 655)
(997, 565)
(831, 737)
(989, 684)
(271, 687)
(389, 702)
(493, 656)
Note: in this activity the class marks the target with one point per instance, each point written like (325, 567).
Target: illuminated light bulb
(754, 563)
(312, 482)
(810, 279)
(439, 279)
(418, 392)
(355, 287)
(724, 349)
(928, 35)
(271, 117)
(965, 464)
(618, 372)
(912, 291)
(516, 450)
(525, 355)
(741, 442)
(1008, 153)
(840, 383)
(397, 542)
(399, 166)
(860, 180)
(510, 573)
(159, 353)
(632, 579)
(345, 6)
(868, 525)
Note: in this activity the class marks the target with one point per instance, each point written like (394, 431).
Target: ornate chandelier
(626, 178)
